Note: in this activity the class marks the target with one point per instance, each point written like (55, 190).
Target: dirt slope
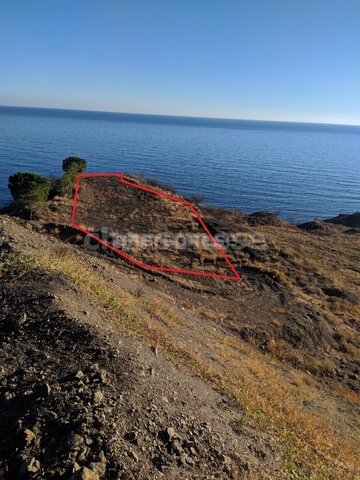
(76, 393)
(262, 374)
(114, 210)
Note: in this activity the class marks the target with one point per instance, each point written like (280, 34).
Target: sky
(295, 60)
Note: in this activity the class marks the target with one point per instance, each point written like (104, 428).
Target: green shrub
(72, 166)
(29, 188)
(66, 185)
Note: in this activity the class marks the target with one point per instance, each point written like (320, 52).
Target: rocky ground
(80, 400)
(107, 371)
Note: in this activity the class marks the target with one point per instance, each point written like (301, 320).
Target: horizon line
(201, 117)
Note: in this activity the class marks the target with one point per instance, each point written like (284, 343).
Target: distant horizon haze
(247, 119)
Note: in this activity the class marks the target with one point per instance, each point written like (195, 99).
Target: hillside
(352, 220)
(110, 371)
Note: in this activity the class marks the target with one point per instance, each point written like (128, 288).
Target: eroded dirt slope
(153, 229)
(282, 346)
(77, 396)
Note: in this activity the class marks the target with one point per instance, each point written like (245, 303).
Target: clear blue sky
(263, 59)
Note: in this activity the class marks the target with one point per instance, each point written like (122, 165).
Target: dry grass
(348, 395)
(62, 250)
(319, 263)
(283, 351)
(316, 447)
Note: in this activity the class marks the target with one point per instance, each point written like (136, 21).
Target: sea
(300, 171)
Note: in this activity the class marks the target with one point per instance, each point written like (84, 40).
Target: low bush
(29, 189)
(74, 165)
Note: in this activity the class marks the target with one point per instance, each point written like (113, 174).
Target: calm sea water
(299, 171)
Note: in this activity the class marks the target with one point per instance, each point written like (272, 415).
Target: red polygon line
(189, 204)
(236, 276)
(108, 245)
(155, 192)
(84, 175)
(217, 245)
(151, 267)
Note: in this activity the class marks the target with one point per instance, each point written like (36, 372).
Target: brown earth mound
(154, 230)
(349, 220)
(312, 226)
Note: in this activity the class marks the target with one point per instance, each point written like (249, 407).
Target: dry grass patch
(316, 448)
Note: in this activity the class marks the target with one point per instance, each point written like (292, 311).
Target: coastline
(260, 349)
(299, 175)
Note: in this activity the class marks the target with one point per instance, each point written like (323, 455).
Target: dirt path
(202, 379)
(77, 396)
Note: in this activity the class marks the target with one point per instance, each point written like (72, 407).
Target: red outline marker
(122, 179)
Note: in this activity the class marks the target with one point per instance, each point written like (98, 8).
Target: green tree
(29, 189)
(72, 166)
